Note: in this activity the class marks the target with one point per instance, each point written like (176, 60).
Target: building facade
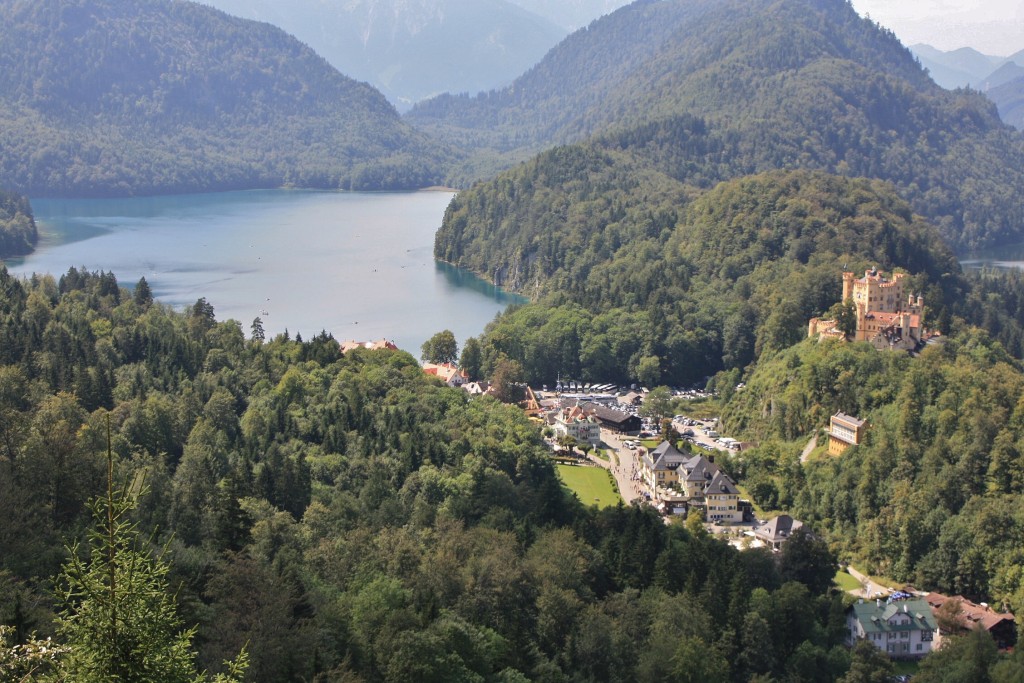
(887, 315)
(844, 431)
(903, 629)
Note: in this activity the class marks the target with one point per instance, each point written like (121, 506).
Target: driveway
(870, 589)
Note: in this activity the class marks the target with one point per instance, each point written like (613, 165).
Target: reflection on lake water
(359, 265)
(1004, 257)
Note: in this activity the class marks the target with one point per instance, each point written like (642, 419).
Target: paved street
(628, 464)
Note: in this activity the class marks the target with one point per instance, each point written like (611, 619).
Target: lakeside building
(887, 316)
(844, 431)
(351, 344)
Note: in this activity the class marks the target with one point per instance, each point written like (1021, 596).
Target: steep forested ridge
(635, 280)
(106, 97)
(933, 495)
(350, 518)
(18, 232)
(776, 84)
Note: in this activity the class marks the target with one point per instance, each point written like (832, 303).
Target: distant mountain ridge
(145, 96)
(414, 49)
(1000, 78)
(956, 68)
(570, 14)
(776, 84)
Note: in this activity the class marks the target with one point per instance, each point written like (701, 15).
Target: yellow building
(844, 431)
(888, 316)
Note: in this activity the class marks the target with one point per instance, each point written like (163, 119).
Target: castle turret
(847, 286)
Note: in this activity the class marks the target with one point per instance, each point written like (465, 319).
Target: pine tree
(119, 623)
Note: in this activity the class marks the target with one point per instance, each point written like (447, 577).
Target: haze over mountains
(171, 97)
(1000, 78)
(413, 49)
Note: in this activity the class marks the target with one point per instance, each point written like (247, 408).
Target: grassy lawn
(846, 582)
(905, 667)
(592, 484)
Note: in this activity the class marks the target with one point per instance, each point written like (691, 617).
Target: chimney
(878, 603)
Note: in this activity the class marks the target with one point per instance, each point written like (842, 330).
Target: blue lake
(358, 265)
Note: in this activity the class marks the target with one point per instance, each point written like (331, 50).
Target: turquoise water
(359, 265)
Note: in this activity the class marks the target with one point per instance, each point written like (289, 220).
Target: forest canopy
(119, 97)
(351, 518)
(18, 232)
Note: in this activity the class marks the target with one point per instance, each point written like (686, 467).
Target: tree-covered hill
(18, 233)
(776, 84)
(634, 279)
(349, 518)
(106, 97)
(933, 495)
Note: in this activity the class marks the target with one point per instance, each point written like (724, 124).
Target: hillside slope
(117, 97)
(637, 279)
(779, 84)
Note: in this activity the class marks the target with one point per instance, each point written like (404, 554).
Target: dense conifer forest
(348, 518)
(119, 97)
(273, 510)
(708, 91)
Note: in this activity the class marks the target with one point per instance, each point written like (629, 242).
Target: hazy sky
(995, 27)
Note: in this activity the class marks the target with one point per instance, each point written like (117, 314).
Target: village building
(903, 629)
(449, 373)
(887, 316)
(844, 431)
(576, 423)
(612, 419)
(671, 475)
(777, 531)
(1002, 626)
(480, 388)
(722, 500)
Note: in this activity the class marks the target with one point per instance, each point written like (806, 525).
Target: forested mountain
(106, 97)
(634, 279)
(414, 49)
(18, 233)
(777, 84)
(350, 518)
(933, 495)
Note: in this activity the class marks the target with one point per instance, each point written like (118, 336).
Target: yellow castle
(887, 316)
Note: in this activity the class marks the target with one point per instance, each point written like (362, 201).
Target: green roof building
(903, 629)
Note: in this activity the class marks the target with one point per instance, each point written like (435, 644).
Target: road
(870, 589)
(623, 471)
